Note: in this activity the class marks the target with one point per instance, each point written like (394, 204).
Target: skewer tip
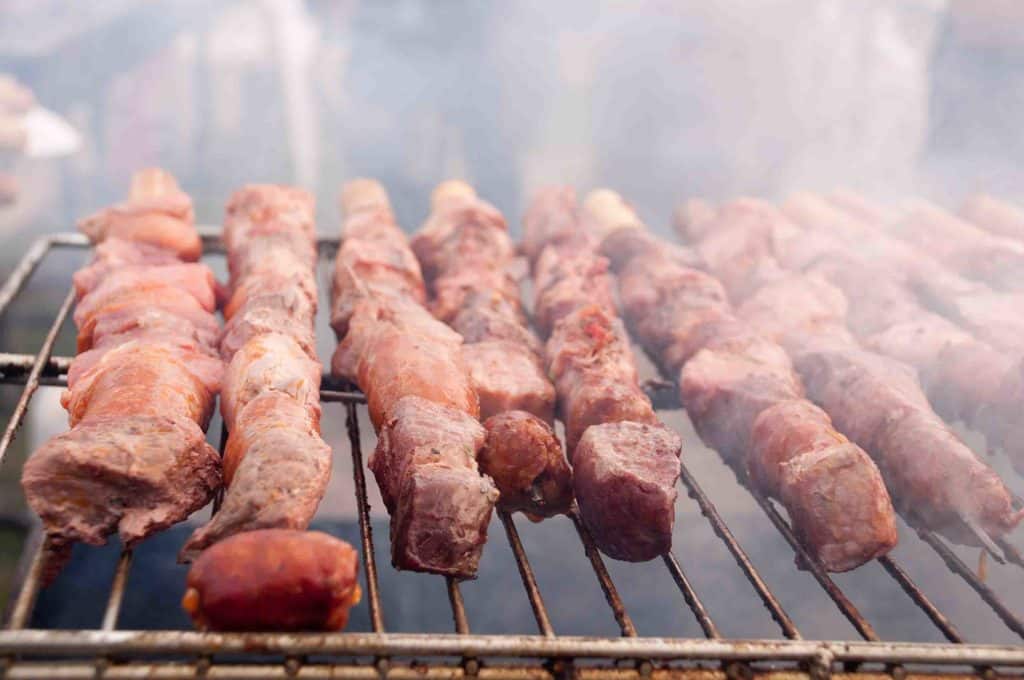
(152, 183)
(450, 190)
(610, 212)
(362, 193)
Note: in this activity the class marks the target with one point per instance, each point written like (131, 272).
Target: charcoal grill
(113, 653)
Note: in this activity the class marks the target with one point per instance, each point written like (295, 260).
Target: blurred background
(661, 100)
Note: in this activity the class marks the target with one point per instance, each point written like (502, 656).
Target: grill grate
(127, 654)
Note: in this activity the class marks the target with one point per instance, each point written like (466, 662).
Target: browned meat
(281, 311)
(935, 479)
(427, 369)
(624, 475)
(553, 220)
(278, 482)
(592, 365)
(421, 400)
(138, 379)
(509, 377)
(830, 488)
(195, 280)
(961, 245)
(725, 387)
(883, 282)
(563, 279)
(745, 400)
(158, 213)
(669, 307)
(625, 463)
(525, 459)
(996, 216)
(374, 257)
(160, 312)
(133, 474)
(274, 579)
(467, 256)
(271, 362)
(425, 465)
(136, 459)
(493, 318)
(276, 461)
(115, 253)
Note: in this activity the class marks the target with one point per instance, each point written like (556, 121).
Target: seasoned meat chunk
(624, 476)
(525, 459)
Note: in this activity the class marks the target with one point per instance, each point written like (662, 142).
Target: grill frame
(114, 653)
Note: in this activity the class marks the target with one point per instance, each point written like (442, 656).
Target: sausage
(273, 580)
(525, 459)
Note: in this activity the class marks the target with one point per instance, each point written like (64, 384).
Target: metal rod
(1011, 552)
(218, 496)
(32, 383)
(78, 642)
(365, 529)
(16, 281)
(983, 538)
(847, 607)
(958, 567)
(691, 597)
(611, 594)
(708, 509)
(458, 606)
(342, 397)
(526, 574)
(124, 564)
(931, 611)
(23, 605)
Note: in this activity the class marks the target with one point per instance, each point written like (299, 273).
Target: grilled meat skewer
(141, 391)
(744, 397)
(935, 480)
(625, 461)
(421, 400)
(467, 257)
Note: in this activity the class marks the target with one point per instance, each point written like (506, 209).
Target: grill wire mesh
(113, 653)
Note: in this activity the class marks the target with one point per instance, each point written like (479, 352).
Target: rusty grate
(113, 653)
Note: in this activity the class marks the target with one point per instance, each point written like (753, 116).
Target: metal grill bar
(526, 573)
(26, 599)
(911, 589)
(458, 606)
(958, 567)
(124, 564)
(848, 609)
(690, 595)
(611, 594)
(32, 381)
(708, 509)
(72, 643)
(365, 529)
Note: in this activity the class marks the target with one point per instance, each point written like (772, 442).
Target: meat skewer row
(276, 466)
(744, 397)
(964, 247)
(964, 377)
(934, 479)
(987, 314)
(625, 461)
(255, 566)
(421, 401)
(466, 253)
(141, 390)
